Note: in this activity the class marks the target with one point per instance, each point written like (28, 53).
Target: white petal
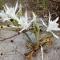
(43, 22)
(26, 15)
(20, 8)
(42, 52)
(34, 14)
(2, 14)
(56, 19)
(49, 16)
(55, 35)
(6, 7)
(16, 6)
(22, 30)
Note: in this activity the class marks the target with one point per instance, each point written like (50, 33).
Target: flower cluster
(24, 23)
(10, 13)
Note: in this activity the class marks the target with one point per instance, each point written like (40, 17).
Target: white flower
(52, 26)
(9, 13)
(25, 22)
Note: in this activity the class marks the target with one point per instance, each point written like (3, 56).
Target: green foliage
(45, 4)
(14, 22)
(1, 3)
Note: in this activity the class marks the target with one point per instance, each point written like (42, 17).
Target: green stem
(27, 36)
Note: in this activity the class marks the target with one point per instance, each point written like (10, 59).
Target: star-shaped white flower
(25, 22)
(9, 13)
(52, 26)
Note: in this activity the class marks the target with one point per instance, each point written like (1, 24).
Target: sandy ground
(14, 48)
